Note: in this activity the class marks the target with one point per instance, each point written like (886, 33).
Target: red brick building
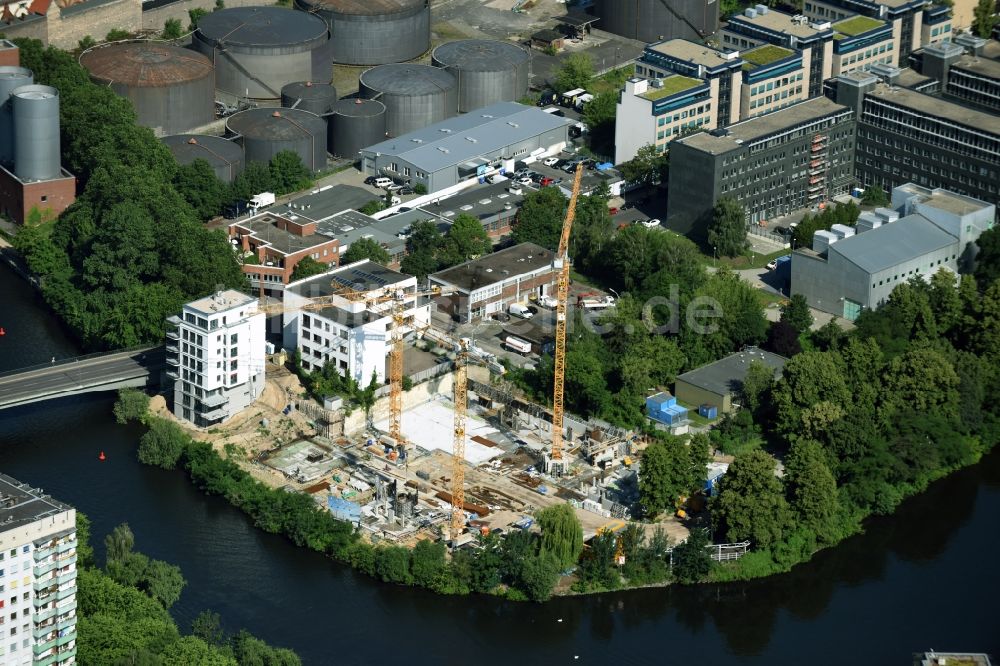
(10, 55)
(271, 246)
(493, 282)
(52, 197)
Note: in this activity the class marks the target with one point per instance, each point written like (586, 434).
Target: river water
(924, 578)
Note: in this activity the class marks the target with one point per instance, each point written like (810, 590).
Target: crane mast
(556, 465)
(458, 450)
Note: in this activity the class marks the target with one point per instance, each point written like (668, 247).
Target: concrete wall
(94, 20)
(441, 385)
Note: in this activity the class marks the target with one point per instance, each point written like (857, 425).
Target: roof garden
(671, 86)
(854, 26)
(764, 55)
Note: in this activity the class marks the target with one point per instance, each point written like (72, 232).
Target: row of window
(784, 95)
(684, 114)
(777, 83)
(916, 271)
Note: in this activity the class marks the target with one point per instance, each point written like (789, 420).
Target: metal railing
(76, 359)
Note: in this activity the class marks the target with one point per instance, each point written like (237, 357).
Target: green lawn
(610, 82)
(764, 55)
(767, 298)
(671, 86)
(856, 25)
(749, 261)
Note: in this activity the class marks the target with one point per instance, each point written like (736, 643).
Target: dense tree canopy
(365, 248)
(727, 232)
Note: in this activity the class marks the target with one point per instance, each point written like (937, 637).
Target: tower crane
(556, 464)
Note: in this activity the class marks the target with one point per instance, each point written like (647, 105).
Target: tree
(806, 380)
(540, 218)
(987, 268)
(201, 188)
(874, 196)
(307, 267)
(195, 15)
(796, 313)
(255, 178)
(538, 576)
(812, 489)
(727, 232)
(84, 549)
(562, 535)
(118, 545)
(691, 559)
(392, 565)
(576, 72)
(208, 627)
(783, 339)
(648, 167)
(829, 336)
(757, 385)
(193, 650)
(599, 115)
(366, 248)
(288, 172)
(751, 502)
(422, 248)
(466, 239)
(162, 444)
(923, 379)
(372, 207)
(86, 43)
(984, 18)
(665, 474)
(250, 650)
(427, 562)
(163, 582)
(132, 405)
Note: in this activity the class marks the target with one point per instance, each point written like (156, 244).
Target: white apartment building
(216, 355)
(37, 577)
(352, 333)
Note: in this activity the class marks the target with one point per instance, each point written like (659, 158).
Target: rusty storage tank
(171, 88)
(10, 78)
(488, 71)
(374, 32)
(224, 156)
(415, 96)
(266, 132)
(318, 98)
(355, 124)
(257, 50)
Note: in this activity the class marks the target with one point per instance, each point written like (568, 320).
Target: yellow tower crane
(458, 449)
(556, 465)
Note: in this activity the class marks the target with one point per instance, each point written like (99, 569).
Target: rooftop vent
(512, 124)
(445, 130)
(469, 138)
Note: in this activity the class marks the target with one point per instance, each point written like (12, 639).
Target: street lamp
(714, 253)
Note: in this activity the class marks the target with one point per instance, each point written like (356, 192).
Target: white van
(521, 311)
(383, 182)
(518, 345)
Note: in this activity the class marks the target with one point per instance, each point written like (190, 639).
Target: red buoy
(102, 456)
(2, 332)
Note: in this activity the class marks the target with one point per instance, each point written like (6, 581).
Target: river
(923, 578)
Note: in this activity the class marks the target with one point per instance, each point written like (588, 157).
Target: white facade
(352, 334)
(645, 119)
(37, 577)
(216, 357)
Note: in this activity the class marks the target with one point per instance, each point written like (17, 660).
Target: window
(45, 198)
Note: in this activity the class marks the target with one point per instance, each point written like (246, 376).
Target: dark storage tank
(257, 50)
(355, 124)
(224, 156)
(172, 89)
(266, 132)
(10, 78)
(374, 32)
(656, 20)
(488, 71)
(415, 96)
(36, 141)
(317, 98)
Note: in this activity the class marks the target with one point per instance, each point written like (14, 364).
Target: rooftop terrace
(854, 26)
(764, 55)
(671, 86)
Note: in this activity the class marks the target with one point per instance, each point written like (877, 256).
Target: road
(77, 376)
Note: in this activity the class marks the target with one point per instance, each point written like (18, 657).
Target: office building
(490, 284)
(848, 270)
(773, 77)
(813, 39)
(216, 355)
(968, 70)
(860, 42)
(905, 19)
(657, 111)
(271, 245)
(468, 147)
(774, 164)
(37, 577)
(352, 333)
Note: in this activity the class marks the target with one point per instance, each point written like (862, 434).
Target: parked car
(550, 161)
(524, 181)
(771, 265)
(521, 173)
(652, 223)
(613, 210)
(370, 180)
(406, 189)
(547, 301)
(545, 181)
(395, 187)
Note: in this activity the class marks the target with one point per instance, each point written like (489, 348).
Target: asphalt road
(26, 386)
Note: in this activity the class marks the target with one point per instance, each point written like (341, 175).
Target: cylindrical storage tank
(355, 124)
(10, 78)
(257, 50)
(655, 20)
(171, 88)
(415, 96)
(224, 156)
(36, 134)
(317, 98)
(267, 132)
(488, 71)
(374, 32)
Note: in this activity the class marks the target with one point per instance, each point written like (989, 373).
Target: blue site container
(708, 411)
(663, 407)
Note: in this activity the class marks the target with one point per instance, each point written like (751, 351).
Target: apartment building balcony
(173, 373)
(46, 566)
(817, 148)
(59, 651)
(214, 400)
(214, 413)
(54, 593)
(172, 347)
(52, 626)
(815, 180)
(56, 579)
(819, 138)
(56, 548)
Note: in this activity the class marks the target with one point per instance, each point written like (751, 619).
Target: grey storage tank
(10, 78)
(36, 141)
(224, 156)
(266, 132)
(374, 32)
(656, 20)
(488, 71)
(257, 50)
(171, 88)
(317, 98)
(415, 96)
(355, 124)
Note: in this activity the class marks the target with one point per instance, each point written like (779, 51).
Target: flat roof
(22, 505)
(469, 136)
(781, 22)
(496, 267)
(682, 49)
(725, 376)
(671, 86)
(938, 107)
(857, 25)
(761, 126)
(764, 55)
(892, 244)
(265, 228)
(978, 65)
(946, 200)
(220, 302)
(361, 276)
(479, 202)
(909, 78)
(321, 203)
